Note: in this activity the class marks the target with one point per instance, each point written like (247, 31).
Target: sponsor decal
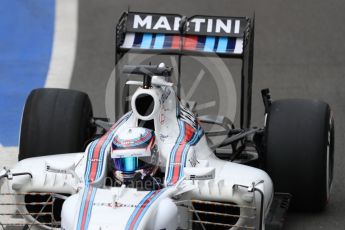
(165, 95)
(193, 160)
(187, 116)
(208, 25)
(163, 137)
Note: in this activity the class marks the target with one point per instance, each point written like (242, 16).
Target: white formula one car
(156, 168)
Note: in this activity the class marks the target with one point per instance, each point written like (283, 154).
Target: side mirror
(199, 173)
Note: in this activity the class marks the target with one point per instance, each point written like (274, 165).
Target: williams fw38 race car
(156, 167)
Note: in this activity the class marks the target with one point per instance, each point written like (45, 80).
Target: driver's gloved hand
(145, 182)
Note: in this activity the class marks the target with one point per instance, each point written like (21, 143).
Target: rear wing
(173, 34)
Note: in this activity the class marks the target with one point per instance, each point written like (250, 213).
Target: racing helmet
(134, 150)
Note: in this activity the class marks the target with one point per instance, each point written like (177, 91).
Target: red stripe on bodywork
(142, 209)
(190, 42)
(175, 44)
(87, 201)
(95, 154)
(94, 163)
(189, 132)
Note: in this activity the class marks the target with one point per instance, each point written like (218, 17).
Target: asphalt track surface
(299, 52)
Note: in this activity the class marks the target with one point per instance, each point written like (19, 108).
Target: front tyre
(299, 152)
(55, 121)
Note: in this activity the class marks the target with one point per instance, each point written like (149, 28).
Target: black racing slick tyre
(299, 152)
(55, 121)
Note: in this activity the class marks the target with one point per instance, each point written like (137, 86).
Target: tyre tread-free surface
(297, 135)
(54, 121)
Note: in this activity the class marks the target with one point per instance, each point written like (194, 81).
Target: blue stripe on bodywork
(216, 43)
(138, 37)
(89, 209)
(146, 42)
(99, 171)
(195, 139)
(26, 37)
(159, 41)
(201, 43)
(222, 44)
(82, 207)
(89, 158)
(209, 45)
(137, 209)
(101, 155)
(231, 45)
(146, 208)
(174, 150)
(167, 41)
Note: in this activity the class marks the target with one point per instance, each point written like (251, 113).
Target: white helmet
(134, 150)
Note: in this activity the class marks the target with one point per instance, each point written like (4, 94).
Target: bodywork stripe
(190, 42)
(209, 44)
(222, 44)
(146, 42)
(97, 151)
(188, 137)
(86, 208)
(175, 42)
(94, 167)
(142, 208)
(159, 41)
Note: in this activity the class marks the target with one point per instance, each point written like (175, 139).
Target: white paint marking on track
(8, 156)
(64, 44)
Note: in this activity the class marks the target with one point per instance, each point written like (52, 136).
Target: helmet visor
(126, 164)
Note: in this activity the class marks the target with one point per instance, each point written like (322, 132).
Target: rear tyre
(55, 121)
(299, 152)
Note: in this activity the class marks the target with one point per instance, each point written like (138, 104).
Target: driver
(135, 158)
